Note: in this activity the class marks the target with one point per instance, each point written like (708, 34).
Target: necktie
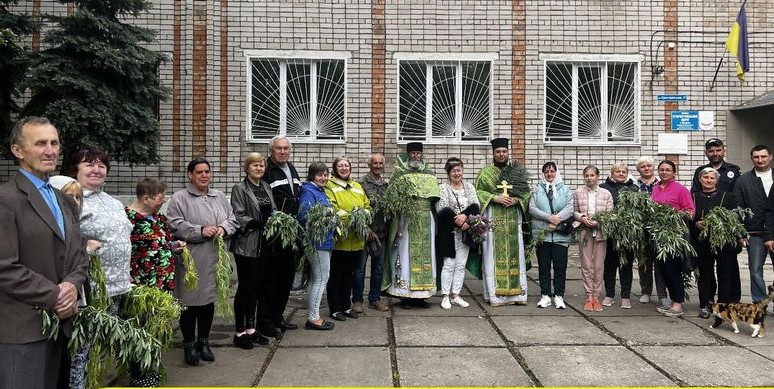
(48, 195)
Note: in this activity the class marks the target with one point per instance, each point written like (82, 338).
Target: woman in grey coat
(196, 215)
(253, 203)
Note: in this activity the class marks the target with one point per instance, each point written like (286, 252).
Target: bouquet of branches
(479, 226)
(393, 203)
(724, 227)
(284, 227)
(98, 294)
(321, 221)
(360, 220)
(517, 177)
(222, 277)
(191, 279)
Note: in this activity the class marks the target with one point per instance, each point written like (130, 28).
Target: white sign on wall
(671, 143)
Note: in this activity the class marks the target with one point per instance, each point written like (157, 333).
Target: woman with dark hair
(672, 193)
(197, 214)
(458, 201)
(551, 204)
(253, 204)
(345, 194)
(313, 192)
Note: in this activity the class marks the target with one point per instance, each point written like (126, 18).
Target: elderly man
(503, 263)
(42, 262)
(411, 271)
(374, 184)
(728, 173)
(277, 274)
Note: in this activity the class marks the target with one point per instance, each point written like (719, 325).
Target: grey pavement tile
(613, 366)
(436, 310)
(568, 330)
(660, 330)
(329, 366)
(232, 367)
(450, 367)
(726, 331)
(766, 351)
(445, 331)
(712, 365)
(363, 331)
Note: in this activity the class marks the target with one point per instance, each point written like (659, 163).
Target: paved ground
(505, 346)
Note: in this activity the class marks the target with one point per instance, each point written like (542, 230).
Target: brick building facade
(571, 81)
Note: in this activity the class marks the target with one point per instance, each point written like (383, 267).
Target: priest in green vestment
(502, 262)
(410, 270)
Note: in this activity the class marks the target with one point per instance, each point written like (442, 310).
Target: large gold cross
(504, 186)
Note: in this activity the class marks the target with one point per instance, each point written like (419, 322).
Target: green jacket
(346, 195)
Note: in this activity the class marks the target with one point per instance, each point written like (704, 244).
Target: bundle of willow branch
(222, 278)
(667, 233)
(397, 200)
(191, 280)
(360, 220)
(724, 227)
(98, 294)
(321, 221)
(517, 177)
(283, 226)
(157, 311)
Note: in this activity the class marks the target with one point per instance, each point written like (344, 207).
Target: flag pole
(715, 77)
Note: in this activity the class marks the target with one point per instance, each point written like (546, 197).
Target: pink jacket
(604, 202)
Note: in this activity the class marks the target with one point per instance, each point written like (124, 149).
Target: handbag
(565, 226)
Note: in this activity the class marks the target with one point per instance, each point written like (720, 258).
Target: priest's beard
(500, 164)
(416, 165)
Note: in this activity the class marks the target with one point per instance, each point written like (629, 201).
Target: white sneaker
(459, 301)
(645, 299)
(559, 302)
(544, 302)
(445, 303)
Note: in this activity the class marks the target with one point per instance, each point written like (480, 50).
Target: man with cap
(410, 272)
(727, 172)
(504, 201)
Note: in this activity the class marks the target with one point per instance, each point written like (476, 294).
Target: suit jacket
(35, 258)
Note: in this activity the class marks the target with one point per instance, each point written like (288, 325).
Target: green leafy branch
(320, 222)
(360, 220)
(222, 278)
(284, 227)
(724, 227)
(191, 279)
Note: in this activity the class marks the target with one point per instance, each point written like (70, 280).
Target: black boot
(203, 346)
(191, 355)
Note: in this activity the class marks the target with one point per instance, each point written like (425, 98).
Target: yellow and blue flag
(736, 43)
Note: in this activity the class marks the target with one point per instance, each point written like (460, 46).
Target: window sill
(302, 141)
(587, 143)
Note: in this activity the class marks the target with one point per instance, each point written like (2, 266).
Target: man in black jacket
(728, 173)
(277, 274)
(752, 190)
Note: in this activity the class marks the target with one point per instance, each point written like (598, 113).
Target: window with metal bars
(592, 102)
(444, 100)
(301, 98)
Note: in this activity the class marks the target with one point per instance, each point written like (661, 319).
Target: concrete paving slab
(765, 351)
(449, 367)
(742, 338)
(658, 331)
(445, 331)
(436, 310)
(591, 366)
(551, 330)
(232, 367)
(712, 365)
(364, 331)
(329, 366)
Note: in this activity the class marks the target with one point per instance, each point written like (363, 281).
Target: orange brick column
(224, 93)
(670, 65)
(518, 81)
(199, 79)
(177, 32)
(379, 31)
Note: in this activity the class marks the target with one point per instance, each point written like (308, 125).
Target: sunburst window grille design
(444, 101)
(303, 99)
(592, 102)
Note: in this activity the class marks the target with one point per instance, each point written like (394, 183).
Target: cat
(753, 314)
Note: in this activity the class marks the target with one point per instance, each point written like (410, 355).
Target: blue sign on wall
(685, 120)
(672, 97)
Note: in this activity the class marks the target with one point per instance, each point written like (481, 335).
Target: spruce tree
(97, 83)
(13, 64)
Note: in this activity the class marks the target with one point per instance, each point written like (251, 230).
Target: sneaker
(559, 302)
(704, 313)
(645, 299)
(243, 342)
(544, 302)
(662, 309)
(380, 306)
(358, 307)
(597, 305)
(445, 303)
(589, 305)
(459, 301)
(608, 301)
(626, 304)
(673, 313)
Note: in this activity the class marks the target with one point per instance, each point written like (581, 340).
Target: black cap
(499, 142)
(713, 142)
(413, 146)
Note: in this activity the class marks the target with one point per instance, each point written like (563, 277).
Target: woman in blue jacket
(313, 192)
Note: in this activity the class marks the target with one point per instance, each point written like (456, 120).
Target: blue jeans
(756, 257)
(358, 282)
(320, 266)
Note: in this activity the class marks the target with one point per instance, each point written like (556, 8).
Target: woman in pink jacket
(590, 200)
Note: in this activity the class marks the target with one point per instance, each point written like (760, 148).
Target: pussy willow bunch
(479, 226)
(284, 227)
(724, 227)
(191, 279)
(222, 277)
(321, 221)
(360, 220)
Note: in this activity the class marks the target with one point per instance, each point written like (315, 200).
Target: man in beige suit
(42, 261)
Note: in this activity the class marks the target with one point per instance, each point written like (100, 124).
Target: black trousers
(613, 263)
(549, 254)
(200, 315)
(727, 284)
(276, 267)
(246, 298)
(339, 289)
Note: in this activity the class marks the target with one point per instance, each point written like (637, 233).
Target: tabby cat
(753, 314)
